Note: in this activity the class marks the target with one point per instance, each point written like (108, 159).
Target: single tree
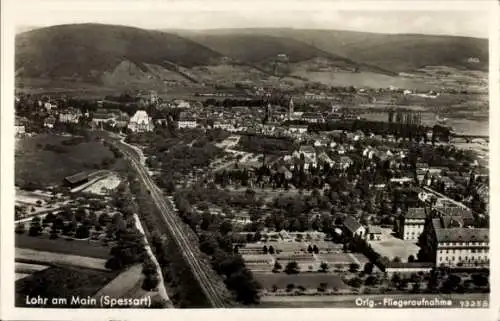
(277, 266)
(292, 268)
(353, 267)
(368, 268)
(20, 228)
(323, 267)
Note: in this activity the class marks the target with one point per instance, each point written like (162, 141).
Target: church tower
(290, 109)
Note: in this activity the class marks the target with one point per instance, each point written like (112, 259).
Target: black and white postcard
(163, 157)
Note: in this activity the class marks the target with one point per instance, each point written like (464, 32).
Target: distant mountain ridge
(394, 52)
(119, 55)
(86, 50)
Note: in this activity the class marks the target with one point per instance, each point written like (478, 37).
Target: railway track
(175, 227)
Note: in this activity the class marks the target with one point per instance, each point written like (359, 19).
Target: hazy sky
(406, 17)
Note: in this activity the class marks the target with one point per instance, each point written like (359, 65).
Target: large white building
(450, 241)
(412, 224)
(140, 122)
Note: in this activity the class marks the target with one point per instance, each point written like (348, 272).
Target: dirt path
(161, 284)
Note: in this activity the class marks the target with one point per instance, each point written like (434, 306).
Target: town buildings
(70, 116)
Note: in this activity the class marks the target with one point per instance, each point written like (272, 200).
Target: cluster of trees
(178, 153)
(125, 252)
(203, 196)
(69, 223)
(443, 281)
(265, 144)
(115, 150)
(215, 240)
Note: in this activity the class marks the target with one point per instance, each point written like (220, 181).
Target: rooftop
(409, 265)
(455, 211)
(462, 234)
(374, 229)
(416, 213)
(351, 224)
(307, 149)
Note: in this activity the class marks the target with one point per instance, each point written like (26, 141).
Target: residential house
(319, 143)
(99, 119)
(323, 158)
(353, 227)
(19, 126)
(308, 151)
(345, 162)
(402, 180)
(161, 121)
(186, 121)
(222, 125)
(374, 233)
(358, 135)
(49, 122)
(121, 121)
(141, 122)
(297, 129)
(49, 106)
(179, 103)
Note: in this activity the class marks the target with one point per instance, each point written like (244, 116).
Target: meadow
(44, 160)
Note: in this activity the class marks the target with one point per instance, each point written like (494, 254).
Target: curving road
(176, 229)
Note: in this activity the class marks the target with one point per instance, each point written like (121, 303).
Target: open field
(48, 166)
(362, 79)
(307, 280)
(29, 268)
(84, 248)
(336, 258)
(124, 284)
(32, 256)
(61, 282)
(392, 247)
